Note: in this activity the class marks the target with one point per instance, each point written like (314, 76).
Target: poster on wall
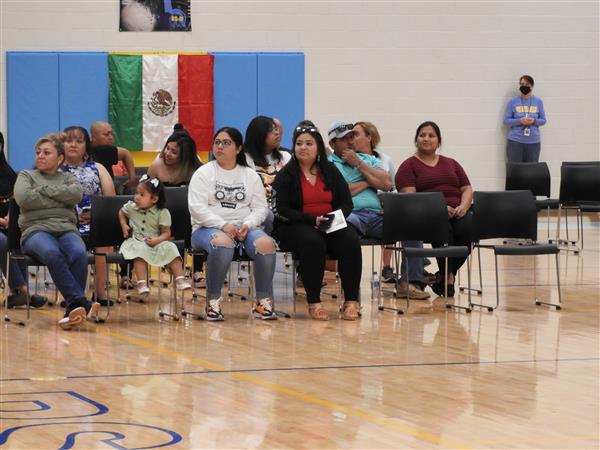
(155, 15)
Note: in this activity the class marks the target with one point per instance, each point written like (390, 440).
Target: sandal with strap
(318, 312)
(350, 310)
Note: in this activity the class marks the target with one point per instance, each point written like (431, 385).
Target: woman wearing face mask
(524, 115)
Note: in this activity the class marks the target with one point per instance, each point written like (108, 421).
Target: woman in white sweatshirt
(228, 206)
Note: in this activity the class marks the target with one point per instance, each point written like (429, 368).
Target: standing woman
(307, 189)
(228, 205)
(524, 115)
(261, 146)
(428, 171)
(94, 180)
(49, 230)
(177, 161)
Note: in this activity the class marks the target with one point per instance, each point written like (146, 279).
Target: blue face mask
(525, 89)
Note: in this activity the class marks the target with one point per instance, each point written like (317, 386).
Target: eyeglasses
(306, 130)
(274, 130)
(223, 142)
(342, 128)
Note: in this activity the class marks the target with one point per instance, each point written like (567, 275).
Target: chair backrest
(579, 183)
(13, 235)
(118, 181)
(504, 214)
(177, 204)
(532, 176)
(139, 171)
(580, 163)
(105, 228)
(414, 216)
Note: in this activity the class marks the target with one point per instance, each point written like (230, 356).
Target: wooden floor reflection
(522, 377)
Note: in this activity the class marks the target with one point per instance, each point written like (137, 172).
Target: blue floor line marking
(292, 369)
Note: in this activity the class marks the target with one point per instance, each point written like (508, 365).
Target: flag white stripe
(160, 99)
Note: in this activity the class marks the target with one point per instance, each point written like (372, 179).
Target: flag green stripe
(125, 100)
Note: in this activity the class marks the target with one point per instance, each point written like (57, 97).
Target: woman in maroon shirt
(427, 171)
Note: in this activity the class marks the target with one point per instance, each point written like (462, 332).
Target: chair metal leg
(381, 306)
(7, 318)
(559, 305)
(492, 308)
(173, 303)
(469, 288)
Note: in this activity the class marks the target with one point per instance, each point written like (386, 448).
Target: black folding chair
(419, 216)
(579, 190)
(509, 215)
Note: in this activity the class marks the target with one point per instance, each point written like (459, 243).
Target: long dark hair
(322, 163)
(256, 137)
(188, 157)
(7, 177)
(238, 140)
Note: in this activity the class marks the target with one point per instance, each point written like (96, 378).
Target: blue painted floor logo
(52, 414)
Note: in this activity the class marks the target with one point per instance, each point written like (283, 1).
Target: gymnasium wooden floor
(521, 377)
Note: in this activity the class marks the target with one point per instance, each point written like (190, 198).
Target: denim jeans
(370, 224)
(18, 269)
(66, 258)
(518, 152)
(220, 257)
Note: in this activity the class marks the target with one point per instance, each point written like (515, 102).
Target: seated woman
(94, 180)
(261, 146)
(307, 189)
(177, 161)
(427, 171)
(228, 205)
(174, 166)
(17, 275)
(49, 230)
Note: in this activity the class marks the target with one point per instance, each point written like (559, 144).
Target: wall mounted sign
(155, 15)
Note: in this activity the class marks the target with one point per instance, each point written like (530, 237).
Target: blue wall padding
(32, 96)
(235, 89)
(50, 91)
(83, 87)
(281, 89)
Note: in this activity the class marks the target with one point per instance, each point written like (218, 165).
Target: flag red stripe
(196, 98)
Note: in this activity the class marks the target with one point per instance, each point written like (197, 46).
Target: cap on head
(340, 129)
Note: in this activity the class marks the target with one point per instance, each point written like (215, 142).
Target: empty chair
(419, 216)
(579, 190)
(509, 215)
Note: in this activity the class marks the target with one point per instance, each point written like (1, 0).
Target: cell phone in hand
(326, 223)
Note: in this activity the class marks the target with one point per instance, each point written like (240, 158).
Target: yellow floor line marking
(423, 435)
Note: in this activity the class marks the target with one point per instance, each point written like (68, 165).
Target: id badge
(526, 131)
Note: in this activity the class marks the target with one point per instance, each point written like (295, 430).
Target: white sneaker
(263, 309)
(74, 319)
(182, 284)
(213, 310)
(142, 288)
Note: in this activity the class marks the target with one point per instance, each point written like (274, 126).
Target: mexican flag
(149, 93)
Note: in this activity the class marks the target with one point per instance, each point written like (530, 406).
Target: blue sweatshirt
(520, 107)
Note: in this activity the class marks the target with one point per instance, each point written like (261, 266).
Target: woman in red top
(427, 171)
(305, 191)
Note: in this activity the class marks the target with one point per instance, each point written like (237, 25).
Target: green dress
(148, 223)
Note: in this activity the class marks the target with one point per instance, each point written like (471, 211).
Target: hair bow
(153, 181)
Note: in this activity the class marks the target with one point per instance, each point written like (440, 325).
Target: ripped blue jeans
(220, 257)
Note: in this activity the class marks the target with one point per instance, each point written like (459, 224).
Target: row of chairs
(579, 191)
(414, 216)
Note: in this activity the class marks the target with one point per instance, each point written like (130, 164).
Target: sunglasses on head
(302, 129)
(342, 128)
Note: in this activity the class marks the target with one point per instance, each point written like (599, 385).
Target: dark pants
(517, 152)
(460, 234)
(312, 248)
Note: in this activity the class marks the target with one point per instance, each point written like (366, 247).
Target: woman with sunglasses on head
(261, 146)
(524, 115)
(228, 206)
(307, 189)
(49, 232)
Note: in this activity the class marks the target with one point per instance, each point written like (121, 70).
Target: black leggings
(460, 234)
(312, 248)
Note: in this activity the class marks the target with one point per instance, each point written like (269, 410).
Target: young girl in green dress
(146, 224)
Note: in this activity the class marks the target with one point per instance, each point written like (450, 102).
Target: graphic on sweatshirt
(229, 195)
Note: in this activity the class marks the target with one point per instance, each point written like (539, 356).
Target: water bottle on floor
(375, 287)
